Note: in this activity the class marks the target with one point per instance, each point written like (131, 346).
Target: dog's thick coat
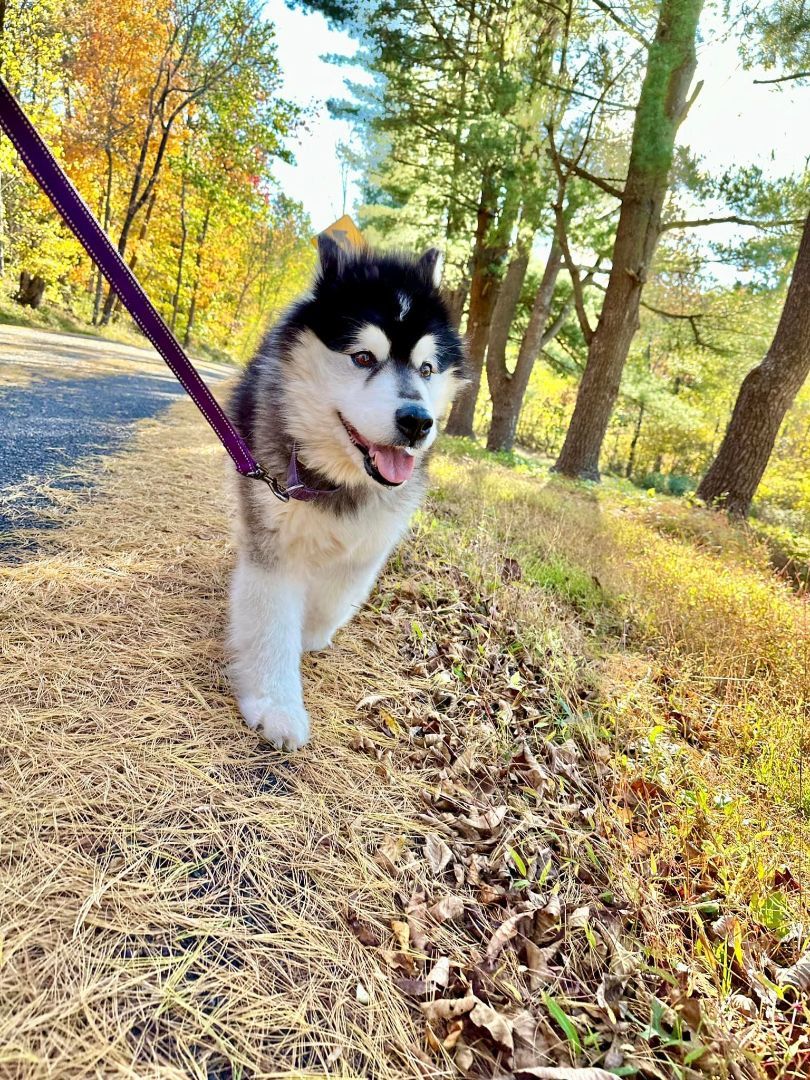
(353, 380)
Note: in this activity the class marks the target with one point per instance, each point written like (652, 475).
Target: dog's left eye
(364, 358)
(426, 370)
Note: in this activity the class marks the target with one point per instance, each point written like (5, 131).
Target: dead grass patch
(451, 879)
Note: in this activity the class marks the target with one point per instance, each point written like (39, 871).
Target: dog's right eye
(364, 359)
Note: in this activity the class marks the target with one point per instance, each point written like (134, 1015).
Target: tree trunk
(113, 300)
(631, 457)
(107, 218)
(192, 308)
(456, 299)
(506, 389)
(141, 194)
(2, 228)
(661, 108)
(491, 247)
(765, 396)
(31, 290)
(181, 258)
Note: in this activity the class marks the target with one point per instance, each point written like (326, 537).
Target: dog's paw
(316, 642)
(284, 726)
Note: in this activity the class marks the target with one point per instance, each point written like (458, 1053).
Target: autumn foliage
(168, 117)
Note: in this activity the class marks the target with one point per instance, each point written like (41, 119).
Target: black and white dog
(343, 400)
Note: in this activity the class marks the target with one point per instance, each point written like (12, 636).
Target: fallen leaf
(464, 1058)
(742, 1004)
(562, 1072)
(437, 853)
(433, 1040)
(448, 1008)
(532, 773)
(498, 1025)
(364, 933)
(402, 933)
(439, 974)
(411, 987)
(504, 934)
(449, 907)
(491, 894)
(369, 700)
(453, 1036)
(390, 852)
(484, 821)
(579, 918)
(798, 975)
(417, 932)
(537, 962)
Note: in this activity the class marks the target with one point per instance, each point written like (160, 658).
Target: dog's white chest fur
(313, 541)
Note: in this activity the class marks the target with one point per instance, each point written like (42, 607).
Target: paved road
(60, 417)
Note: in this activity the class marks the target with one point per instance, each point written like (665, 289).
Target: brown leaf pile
(513, 938)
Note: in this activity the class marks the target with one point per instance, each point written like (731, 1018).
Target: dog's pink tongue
(392, 463)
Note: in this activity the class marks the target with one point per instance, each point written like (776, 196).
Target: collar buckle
(278, 490)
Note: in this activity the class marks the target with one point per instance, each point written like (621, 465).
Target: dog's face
(374, 365)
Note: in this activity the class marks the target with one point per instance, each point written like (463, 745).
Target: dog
(341, 405)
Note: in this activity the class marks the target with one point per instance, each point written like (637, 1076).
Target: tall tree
(662, 106)
(766, 394)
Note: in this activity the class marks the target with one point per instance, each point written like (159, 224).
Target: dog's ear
(331, 257)
(430, 267)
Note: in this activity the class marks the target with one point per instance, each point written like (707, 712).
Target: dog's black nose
(414, 422)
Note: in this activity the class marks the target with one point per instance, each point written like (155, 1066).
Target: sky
(733, 121)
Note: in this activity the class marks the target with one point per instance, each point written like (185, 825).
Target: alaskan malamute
(341, 405)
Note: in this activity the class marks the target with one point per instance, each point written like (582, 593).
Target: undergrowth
(699, 653)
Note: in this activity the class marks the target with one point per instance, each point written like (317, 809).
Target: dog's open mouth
(389, 465)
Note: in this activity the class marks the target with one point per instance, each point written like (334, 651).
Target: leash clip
(278, 490)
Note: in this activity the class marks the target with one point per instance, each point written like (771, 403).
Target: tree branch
(620, 22)
(783, 78)
(605, 185)
(733, 219)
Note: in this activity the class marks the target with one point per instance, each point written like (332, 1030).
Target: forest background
(536, 143)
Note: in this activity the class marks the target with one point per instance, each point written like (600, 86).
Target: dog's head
(375, 362)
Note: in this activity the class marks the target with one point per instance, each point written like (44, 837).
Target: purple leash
(76, 215)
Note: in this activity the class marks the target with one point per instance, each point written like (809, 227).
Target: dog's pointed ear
(430, 267)
(331, 257)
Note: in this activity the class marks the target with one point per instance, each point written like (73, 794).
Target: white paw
(315, 642)
(284, 726)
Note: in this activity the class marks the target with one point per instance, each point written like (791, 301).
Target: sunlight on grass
(703, 646)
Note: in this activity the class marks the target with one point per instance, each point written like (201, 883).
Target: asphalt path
(68, 411)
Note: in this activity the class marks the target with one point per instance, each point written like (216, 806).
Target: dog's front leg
(267, 611)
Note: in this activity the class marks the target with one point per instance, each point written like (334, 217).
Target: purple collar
(295, 488)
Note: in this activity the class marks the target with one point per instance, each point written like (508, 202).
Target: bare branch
(692, 99)
(622, 23)
(732, 219)
(604, 185)
(783, 78)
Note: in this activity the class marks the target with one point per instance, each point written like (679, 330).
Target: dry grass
(176, 900)
(171, 891)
